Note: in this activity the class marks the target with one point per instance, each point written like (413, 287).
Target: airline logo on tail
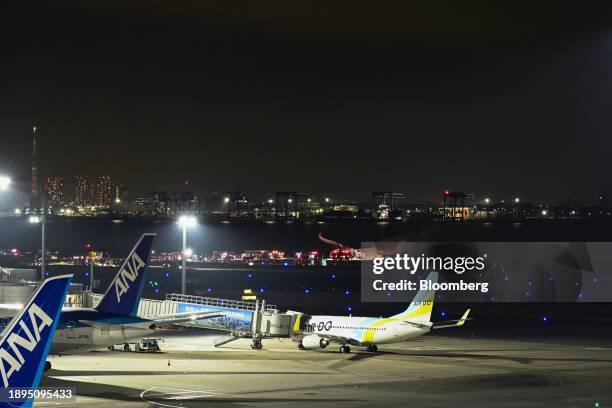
(123, 295)
(27, 339)
(39, 320)
(128, 274)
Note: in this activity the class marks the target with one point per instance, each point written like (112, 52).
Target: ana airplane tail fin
(123, 295)
(422, 304)
(25, 342)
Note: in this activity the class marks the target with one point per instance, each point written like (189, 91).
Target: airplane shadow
(128, 394)
(76, 373)
(360, 356)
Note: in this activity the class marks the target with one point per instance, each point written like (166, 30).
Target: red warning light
(88, 245)
(446, 192)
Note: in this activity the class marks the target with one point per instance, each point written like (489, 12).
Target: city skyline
(102, 190)
(403, 99)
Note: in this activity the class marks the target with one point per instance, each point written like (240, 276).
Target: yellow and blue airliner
(317, 332)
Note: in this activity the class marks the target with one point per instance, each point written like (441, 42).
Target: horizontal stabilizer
(453, 323)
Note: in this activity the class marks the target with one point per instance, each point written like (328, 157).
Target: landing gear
(126, 347)
(345, 349)
(47, 366)
(372, 348)
(301, 346)
(256, 345)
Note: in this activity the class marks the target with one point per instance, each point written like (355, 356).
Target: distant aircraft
(26, 340)
(317, 332)
(113, 320)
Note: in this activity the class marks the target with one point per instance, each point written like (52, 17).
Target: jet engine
(313, 341)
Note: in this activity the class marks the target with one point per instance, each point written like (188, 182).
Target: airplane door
(70, 330)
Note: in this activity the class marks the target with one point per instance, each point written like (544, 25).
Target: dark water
(336, 291)
(311, 290)
(119, 236)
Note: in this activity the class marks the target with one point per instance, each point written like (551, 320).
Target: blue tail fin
(26, 340)
(123, 294)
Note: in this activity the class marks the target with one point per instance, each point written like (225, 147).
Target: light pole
(185, 221)
(35, 219)
(5, 182)
(226, 200)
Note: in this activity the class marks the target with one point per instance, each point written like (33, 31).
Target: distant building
(453, 206)
(385, 204)
(159, 203)
(143, 201)
(291, 204)
(236, 204)
(55, 191)
(104, 191)
(83, 195)
(183, 202)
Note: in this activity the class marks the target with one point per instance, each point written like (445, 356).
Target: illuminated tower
(103, 191)
(55, 191)
(82, 191)
(34, 199)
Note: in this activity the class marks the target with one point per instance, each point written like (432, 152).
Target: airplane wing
(114, 326)
(165, 319)
(453, 323)
(420, 325)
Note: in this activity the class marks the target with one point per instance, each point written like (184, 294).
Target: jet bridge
(241, 319)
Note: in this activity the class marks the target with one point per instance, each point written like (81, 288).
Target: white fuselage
(81, 330)
(364, 331)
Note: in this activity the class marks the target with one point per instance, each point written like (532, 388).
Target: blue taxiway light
(443, 313)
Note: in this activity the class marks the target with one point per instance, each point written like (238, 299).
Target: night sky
(492, 98)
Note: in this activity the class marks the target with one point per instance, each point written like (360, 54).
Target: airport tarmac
(433, 371)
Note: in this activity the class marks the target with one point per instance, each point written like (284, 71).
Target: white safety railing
(228, 303)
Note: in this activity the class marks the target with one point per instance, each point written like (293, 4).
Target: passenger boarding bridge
(241, 319)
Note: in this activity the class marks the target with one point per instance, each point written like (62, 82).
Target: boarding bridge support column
(256, 325)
